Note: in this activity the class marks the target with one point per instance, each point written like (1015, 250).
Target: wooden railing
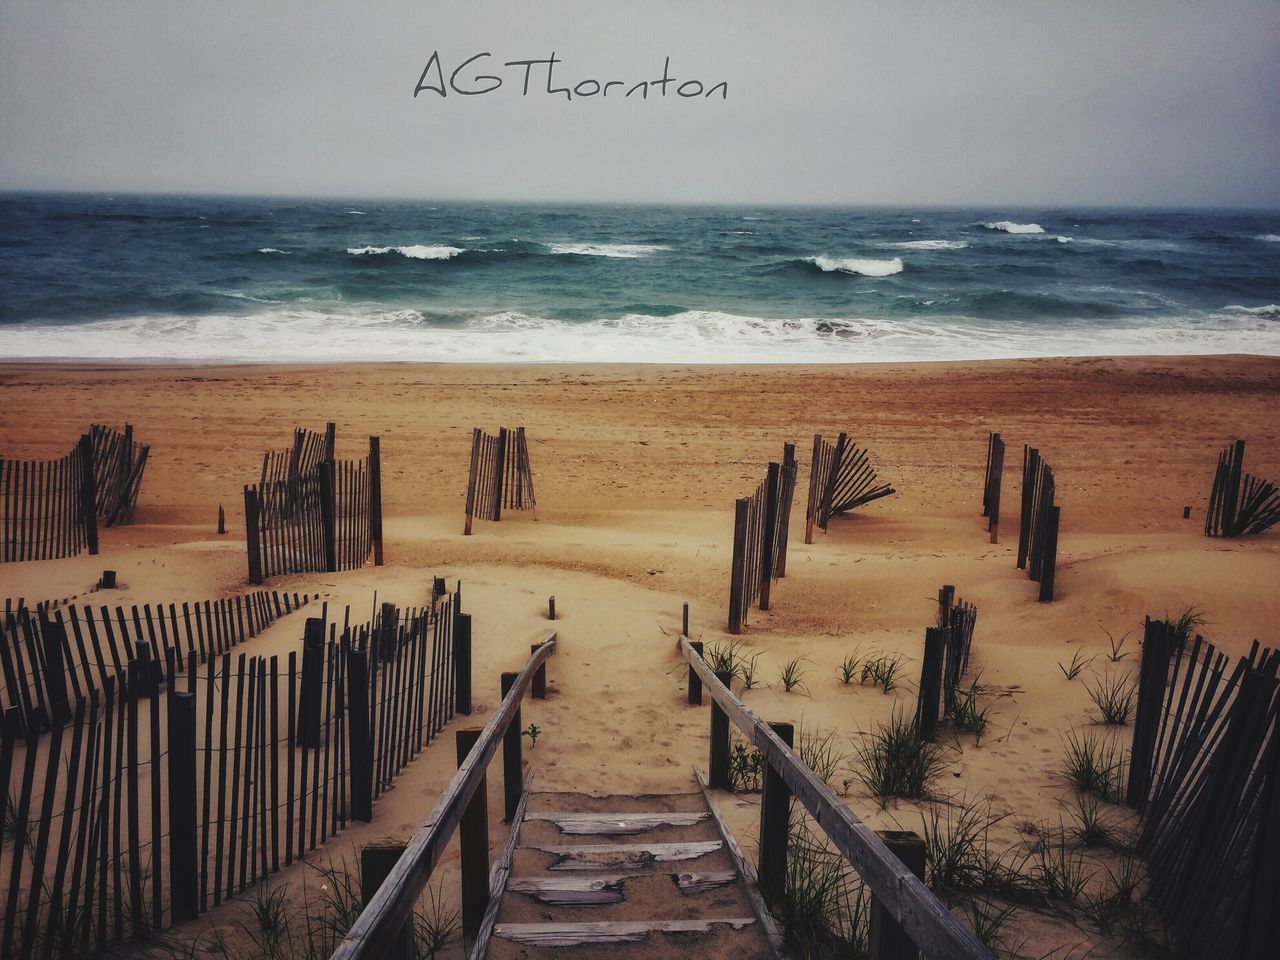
(378, 930)
(896, 891)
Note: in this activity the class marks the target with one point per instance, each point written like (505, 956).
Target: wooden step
(620, 931)
(624, 856)
(589, 890)
(617, 823)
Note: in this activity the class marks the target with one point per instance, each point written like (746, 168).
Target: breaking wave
(1008, 226)
(415, 251)
(866, 268)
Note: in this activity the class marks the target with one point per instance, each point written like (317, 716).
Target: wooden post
(375, 498)
(311, 695)
(684, 621)
(935, 640)
(512, 761)
(1186, 513)
(695, 681)
(377, 860)
(775, 817)
(462, 664)
(1030, 473)
(1231, 500)
(888, 941)
(328, 516)
(183, 876)
(788, 469)
(551, 608)
(389, 623)
(499, 466)
(88, 495)
(538, 688)
(54, 637)
(108, 581)
(1262, 923)
(251, 535)
(1157, 650)
(473, 840)
(361, 763)
(222, 521)
(738, 572)
(811, 510)
(1050, 555)
(997, 481)
(770, 534)
(471, 479)
(718, 765)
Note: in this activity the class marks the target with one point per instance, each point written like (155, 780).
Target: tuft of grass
(1118, 651)
(269, 929)
(955, 847)
(1186, 624)
(969, 716)
(987, 919)
(1114, 696)
(1057, 870)
(746, 767)
(823, 754)
(897, 761)
(435, 926)
(791, 676)
(725, 658)
(1077, 665)
(1089, 827)
(882, 671)
(1094, 764)
(849, 667)
(747, 672)
(15, 828)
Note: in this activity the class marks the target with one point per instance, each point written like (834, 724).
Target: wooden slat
(616, 931)
(621, 824)
(625, 856)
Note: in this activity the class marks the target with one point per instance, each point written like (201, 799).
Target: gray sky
(1013, 102)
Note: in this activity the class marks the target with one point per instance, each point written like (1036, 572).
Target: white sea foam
(414, 252)
(1008, 226)
(1066, 239)
(1269, 237)
(627, 251)
(867, 268)
(931, 245)
(1270, 310)
(358, 213)
(272, 250)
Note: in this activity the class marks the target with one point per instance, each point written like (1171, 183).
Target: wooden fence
(760, 528)
(312, 513)
(500, 476)
(1239, 504)
(994, 478)
(52, 657)
(48, 508)
(901, 905)
(840, 478)
(945, 660)
(145, 808)
(1038, 527)
(118, 463)
(1205, 775)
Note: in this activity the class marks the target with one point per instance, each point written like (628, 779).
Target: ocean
(201, 278)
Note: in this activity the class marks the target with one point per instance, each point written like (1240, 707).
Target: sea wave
(1268, 237)
(866, 268)
(415, 251)
(1269, 310)
(626, 251)
(272, 250)
(931, 245)
(1008, 226)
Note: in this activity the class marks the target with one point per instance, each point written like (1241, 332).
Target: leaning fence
(500, 476)
(1205, 775)
(840, 478)
(945, 660)
(760, 528)
(48, 508)
(1239, 504)
(147, 806)
(118, 464)
(1038, 527)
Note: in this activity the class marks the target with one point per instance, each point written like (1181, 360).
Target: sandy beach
(637, 468)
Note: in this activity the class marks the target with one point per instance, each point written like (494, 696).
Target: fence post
(251, 521)
(499, 470)
(462, 664)
(54, 635)
(375, 498)
(551, 608)
(222, 521)
(770, 534)
(718, 764)
(183, 874)
(473, 839)
(811, 507)
(695, 681)
(887, 939)
(738, 572)
(775, 816)
(390, 623)
(310, 697)
(1050, 555)
(1263, 917)
(358, 735)
(1030, 472)
(684, 620)
(471, 479)
(376, 861)
(512, 760)
(328, 516)
(784, 532)
(88, 494)
(538, 687)
(1157, 648)
(935, 640)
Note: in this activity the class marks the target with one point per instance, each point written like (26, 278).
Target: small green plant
(882, 671)
(1057, 870)
(725, 658)
(746, 767)
(435, 926)
(269, 928)
(823, 755)
(823, 908)
(1114, 697)
(1077, 665)
(791, 676)
(955, 847)
(15, 827)
(533, 732)
(1118, 651)
(1186, 624)
(1089, 827)
(1093, 764)
(747, 671)
(897, 761)
(849, 667)
(987, 920)
(968, 715)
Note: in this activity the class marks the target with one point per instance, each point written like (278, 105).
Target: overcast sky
(952, 102)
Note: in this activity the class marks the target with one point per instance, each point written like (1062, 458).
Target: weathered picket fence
(945, 660)
(1038, 526)
(500, 476)
(840, 478)
(118, 463)
(1239, 504)
(48, 508)
(993, 480)
(760, 527)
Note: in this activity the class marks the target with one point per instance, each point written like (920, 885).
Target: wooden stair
(624, 877)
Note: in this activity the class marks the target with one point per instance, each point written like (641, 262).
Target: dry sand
(636, 470)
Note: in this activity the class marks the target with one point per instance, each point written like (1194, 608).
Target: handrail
(920, 914)
(374, 931)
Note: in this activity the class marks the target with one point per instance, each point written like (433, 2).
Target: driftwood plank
(571, 891)
(701, 882)
(607, 856)
(575, 934)
(620, 824)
